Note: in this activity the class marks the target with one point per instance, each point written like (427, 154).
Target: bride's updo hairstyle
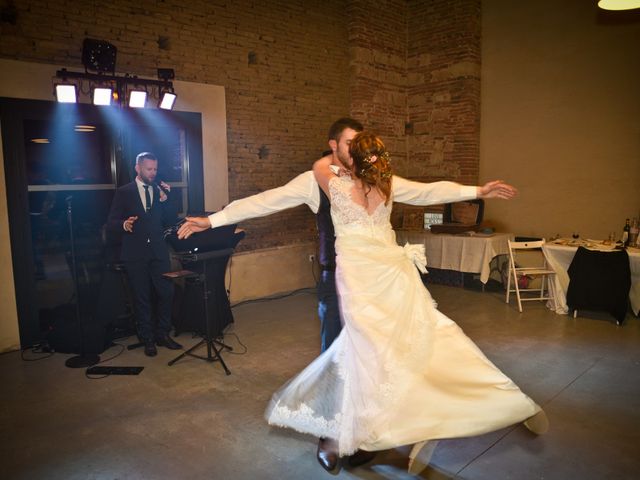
(371, 163)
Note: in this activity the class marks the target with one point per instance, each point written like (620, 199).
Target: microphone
(158, 183)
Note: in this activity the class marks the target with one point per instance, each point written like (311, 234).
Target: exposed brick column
(444, 90)
(378, 69)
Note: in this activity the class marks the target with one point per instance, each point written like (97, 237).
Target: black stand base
(211, 357)
(133, 346)
(82, 361)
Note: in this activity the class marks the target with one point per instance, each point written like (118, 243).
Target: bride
(400, 372)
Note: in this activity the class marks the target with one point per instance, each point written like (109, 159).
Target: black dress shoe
(167, 341)
(327, 455)
(150, 348)
(360, 458)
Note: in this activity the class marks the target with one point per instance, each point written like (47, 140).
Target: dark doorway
(62, 166)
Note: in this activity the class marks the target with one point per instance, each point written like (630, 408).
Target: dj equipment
(204, 257)
(213, 239)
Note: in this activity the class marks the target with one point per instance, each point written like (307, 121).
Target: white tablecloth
(470, 254)
(559, 258)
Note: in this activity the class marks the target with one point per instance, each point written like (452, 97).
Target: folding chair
(515, 272)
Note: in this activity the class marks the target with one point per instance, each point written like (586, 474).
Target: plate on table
(600, 245)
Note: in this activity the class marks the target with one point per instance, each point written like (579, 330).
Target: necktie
(147, 198)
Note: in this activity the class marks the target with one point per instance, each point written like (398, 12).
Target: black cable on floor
(41, 348)
(276, 297)
(101, 362)
(231, 352)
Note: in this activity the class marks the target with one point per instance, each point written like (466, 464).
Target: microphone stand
(84, 359)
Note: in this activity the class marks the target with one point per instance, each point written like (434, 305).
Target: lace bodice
(350, 217)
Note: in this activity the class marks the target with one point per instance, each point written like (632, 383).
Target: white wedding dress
(400, 371)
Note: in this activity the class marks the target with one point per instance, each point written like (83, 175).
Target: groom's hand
(497, 189)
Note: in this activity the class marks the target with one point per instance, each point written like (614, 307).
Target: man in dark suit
(139, 212)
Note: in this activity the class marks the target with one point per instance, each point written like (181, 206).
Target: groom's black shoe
(360, 457)
(150, 348)
(327, 455)
(167, 341)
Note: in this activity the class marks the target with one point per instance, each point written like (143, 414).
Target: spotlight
(167, 100)
(137, 98)
(66, 93)
(85, 128)
(102, 95)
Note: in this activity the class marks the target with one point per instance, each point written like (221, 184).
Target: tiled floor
(190, 421)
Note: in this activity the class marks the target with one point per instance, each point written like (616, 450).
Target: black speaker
(191, 317)
(63, 332)
(99, 56)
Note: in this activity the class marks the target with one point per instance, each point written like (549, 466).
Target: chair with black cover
(516, 272)
(599, 281)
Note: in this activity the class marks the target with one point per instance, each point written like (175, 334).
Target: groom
(304, 190)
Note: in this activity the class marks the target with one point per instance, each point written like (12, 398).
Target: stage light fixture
(102, 95)
(106, 88)
(167, 100)
(66, 93)
(137, 98)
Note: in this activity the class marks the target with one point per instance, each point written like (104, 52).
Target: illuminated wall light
(619, 4)
(167, 101)
(66, 93)
(137, 98)
(84, 128)
(40, 140)
(102, 96)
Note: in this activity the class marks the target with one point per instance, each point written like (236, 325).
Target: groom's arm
(301, 190)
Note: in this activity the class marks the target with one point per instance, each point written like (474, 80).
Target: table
(559, 258)
(463, 253)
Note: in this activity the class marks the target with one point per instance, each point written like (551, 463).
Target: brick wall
(443, 93)
(444, 90)
(378, 69)
(289, 69)
(283, 64)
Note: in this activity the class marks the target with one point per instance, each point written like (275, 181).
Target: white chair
(542, 271)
